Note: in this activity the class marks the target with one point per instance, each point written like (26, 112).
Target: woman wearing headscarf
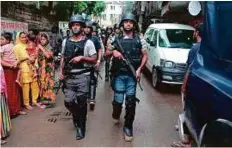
(46, 71)
(26, 77)
(5, 122)
(9, 64)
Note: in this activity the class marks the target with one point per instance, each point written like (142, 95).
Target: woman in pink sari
(5, 122)
(9, 64)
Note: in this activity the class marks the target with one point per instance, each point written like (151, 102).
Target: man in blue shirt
(195, 48)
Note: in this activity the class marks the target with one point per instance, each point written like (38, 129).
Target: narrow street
(156, 116)
(179, 42)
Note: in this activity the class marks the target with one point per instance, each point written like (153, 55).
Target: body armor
(73, 49)
(133, 48)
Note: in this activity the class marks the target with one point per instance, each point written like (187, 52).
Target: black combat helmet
(109, 27)
(89, 24)
(129, 16)
(76, 19)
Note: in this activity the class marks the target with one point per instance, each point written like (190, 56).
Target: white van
(168, 48)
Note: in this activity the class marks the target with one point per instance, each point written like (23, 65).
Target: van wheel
(155, 79)
(217, 134)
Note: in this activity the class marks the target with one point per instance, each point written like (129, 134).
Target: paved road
(154, 124)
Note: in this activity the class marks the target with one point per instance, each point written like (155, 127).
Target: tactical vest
(133, 48)
(73, 49)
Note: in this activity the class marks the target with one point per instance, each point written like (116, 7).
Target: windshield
(176, 38)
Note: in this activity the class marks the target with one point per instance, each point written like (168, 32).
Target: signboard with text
(63, 27)
(13, 27)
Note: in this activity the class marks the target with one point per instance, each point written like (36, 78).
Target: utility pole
(141, 15)
(38, 4)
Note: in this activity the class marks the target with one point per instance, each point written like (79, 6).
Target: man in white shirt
(78, 53)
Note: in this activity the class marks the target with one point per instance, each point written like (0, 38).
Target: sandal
(40, 106)
(29, 107)
(3, 142)
(180, 144)
(22, 113)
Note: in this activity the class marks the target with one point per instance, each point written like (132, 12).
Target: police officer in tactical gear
(77, 54)
(109, 31)
(93, 80)
(123, 82)
(117, 30)
(94, 32)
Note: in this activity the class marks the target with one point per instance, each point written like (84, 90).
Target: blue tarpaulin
(217, 30)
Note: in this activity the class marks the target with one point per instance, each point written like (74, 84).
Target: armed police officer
(78, 53)
(93, 80)
(116, 33)
(117, 30)
(123, 81)
(109, 31)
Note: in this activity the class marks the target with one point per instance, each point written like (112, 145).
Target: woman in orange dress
(46, 71)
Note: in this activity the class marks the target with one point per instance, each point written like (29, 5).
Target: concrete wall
(18, 11)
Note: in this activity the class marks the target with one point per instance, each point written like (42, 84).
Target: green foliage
(99, 8)
(64, 9)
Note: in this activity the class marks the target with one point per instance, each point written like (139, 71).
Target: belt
(80, 72)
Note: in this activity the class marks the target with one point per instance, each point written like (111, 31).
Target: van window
(176, 38)
(154, 40)
(148, 34)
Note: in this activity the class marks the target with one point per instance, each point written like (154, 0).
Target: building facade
(112, 13)
(149, 12)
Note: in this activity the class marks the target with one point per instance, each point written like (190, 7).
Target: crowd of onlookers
(27, 76)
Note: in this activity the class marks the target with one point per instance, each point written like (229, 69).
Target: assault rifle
(127, 60)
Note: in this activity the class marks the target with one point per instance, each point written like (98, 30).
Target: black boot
(92, 93)
(129, 118)
(117, 109)
(72, 107)
(107, 64)
(82, 113)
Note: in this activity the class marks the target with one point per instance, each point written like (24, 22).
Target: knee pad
(130, 110)
(131, 100)
(115, 103)
(81, 100)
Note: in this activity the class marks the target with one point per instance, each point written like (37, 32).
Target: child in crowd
(32, 52)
